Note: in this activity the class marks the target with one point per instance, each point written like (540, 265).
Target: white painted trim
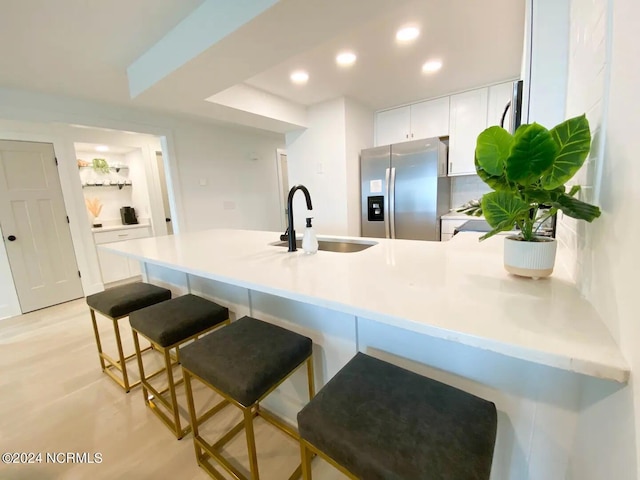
(279, 153)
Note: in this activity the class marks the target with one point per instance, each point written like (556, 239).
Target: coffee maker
(128, 216)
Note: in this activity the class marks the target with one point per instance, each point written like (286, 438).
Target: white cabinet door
(116, 267)
(430, 119)
(468, 118)
(393, 126)
(499, 96)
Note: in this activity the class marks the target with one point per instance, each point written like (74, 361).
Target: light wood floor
(54, 398)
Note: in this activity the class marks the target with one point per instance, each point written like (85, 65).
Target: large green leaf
(532, 154)
(501, 209)
(574, 141)
(537, 195)
(497, 182)
(492, 149)
(575, 208)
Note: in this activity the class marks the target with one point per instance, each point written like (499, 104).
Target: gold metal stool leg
(205, 451)
(121, 358)
(251, 443)
(158, 397)
(172, 391)
(311, 378)
(306, 461)
(96, 333)
(136, 343)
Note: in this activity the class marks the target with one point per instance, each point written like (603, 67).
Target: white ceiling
(478, 42)
(82, 48)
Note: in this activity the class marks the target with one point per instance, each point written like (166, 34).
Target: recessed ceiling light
(346, 58)
(300, 77)
(102, 148)
(432, 66)
(407, 34)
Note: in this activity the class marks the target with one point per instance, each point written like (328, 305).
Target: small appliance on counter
(128, 216)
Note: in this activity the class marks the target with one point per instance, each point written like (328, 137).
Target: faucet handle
(285, 236)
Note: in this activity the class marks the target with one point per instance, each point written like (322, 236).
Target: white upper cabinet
(420, 120)
(462, 117)
(499, 96)
(430, 119)
(392, 126)
(467, 119)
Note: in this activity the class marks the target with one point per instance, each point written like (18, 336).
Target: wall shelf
(115, 169)
(119, 185)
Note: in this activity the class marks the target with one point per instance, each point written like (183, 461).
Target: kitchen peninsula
(446, 310)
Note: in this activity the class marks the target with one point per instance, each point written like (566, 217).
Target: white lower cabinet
(116, 267)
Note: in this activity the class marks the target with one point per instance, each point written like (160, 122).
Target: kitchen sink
(330, 245)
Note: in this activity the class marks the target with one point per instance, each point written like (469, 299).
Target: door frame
(281, 190)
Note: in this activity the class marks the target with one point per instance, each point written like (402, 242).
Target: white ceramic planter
(530, 259)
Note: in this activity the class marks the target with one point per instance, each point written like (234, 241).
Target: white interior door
(35, 227)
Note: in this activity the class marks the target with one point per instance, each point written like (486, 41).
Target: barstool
(243, 363)
(166, 326)
(377, 421)
(115, 304)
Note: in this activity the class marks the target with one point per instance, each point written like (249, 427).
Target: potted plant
(528, 170)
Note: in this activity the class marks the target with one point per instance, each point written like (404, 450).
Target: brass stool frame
(121, 363)
(171, 405)
(307, 451)
(205, 450)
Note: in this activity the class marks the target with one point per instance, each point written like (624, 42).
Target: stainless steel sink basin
(330, 245)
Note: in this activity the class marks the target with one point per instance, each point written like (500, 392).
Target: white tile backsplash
(465, 188)
(587, 83)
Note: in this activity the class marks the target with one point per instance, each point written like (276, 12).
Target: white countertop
(112, 228)
(456, 290)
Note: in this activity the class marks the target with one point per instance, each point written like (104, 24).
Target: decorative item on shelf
(95, 207)
(100, 165)
(527, 172)
(82, 163)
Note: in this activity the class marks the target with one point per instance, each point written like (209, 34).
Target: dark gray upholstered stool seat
(382, 422)
(168, 325)
(175, 320)
(116, 303)
(243, 362)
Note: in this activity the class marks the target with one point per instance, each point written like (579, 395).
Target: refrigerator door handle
(392, 203)
(387, 232)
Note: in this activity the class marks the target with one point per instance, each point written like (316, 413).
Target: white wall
(316, 159)
(606, 252)
(359, 135)
(190, 148)
(325, 158)
(228, 178)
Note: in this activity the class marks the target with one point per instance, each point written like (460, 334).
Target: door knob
(11, 238)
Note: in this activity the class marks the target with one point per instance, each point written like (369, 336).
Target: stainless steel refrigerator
(405, 190)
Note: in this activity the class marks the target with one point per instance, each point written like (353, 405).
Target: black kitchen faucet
(290, 234)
